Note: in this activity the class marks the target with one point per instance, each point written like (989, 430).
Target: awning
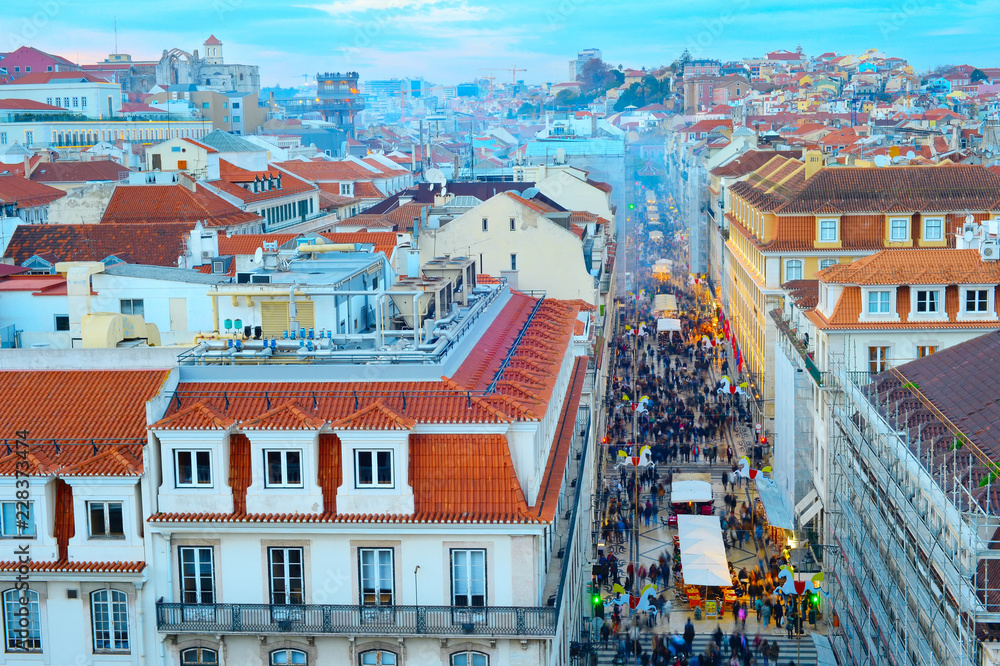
(703, 554)
(690, 491)
(665, 304)
(777, 506)
(663, 325)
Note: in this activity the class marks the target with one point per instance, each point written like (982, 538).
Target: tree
(978, 75)
(566, 98)
(597, 77)
(685, 58)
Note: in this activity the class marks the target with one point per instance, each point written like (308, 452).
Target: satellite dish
(435, 176)
(530, 193)
(910, 155)
(881, 161)
(258, 257)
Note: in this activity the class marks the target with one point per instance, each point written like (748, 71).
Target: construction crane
(513, 73)
(490, 78)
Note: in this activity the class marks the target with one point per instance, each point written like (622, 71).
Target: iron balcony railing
(356, 620)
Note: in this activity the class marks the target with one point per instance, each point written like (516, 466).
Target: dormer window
(977, 301)
(828, 231)
(373, 469)
(899, 229)
(878, 302)
(934, 229)
(194, 469)
(284, 469)
(928, 301)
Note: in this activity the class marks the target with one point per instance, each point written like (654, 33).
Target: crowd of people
(664, 392)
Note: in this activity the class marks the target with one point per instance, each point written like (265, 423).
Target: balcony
(443, 621)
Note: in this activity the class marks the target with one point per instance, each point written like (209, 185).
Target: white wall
(95, 94)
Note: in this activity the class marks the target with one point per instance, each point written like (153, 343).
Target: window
(106, 520)
(132, 306)
(281, 657)
(286, 576)
(204, 105)
(15, 520)
(933, 229)
(468, 577)
(513, 224)
(236, 119)
(194, 468)
(22, 637)
(828, 231)
(225, 105)
(283, 469)
(977, 300)
(878, 359)
(76, 102)
(83, 102)
(899, 229)
(469, 659)
(236, 105)
(378, 658)
(376, 576)
(225, 119)
(197, 574)
(928, 301)
(48, 100)
(878, 302)
(513, 262)
(28, 68)
(109, 615)
(925, 351)
(62, 322)
(486, 224)
(199, 657)
(3, 138)
(373, 469)
(826, 263)
(793, 269)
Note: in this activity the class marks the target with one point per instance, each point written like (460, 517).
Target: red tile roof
(375, 416)
(247, 244)
(25, 193)
(36, 78)
(212, 41)
(750, 161)
(286, 416)
(915, 266)
(365, 189)
(65, 566)
(231, 178)
(328, 171)
(13, 104)
(199, 416)
(138, 204)
(78, 172)
(847, 313)
(555, 469)
(201, 145)
(153, 245)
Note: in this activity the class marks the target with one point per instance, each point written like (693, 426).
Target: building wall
(83, 133)
(84, 205)
(91, 99)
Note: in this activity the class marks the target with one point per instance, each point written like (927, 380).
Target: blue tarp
(777, 506)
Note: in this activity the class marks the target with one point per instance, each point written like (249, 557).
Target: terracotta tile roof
(240, 474)
(98, 459)
(153, 245)
(342, 518)
(328, 171)
(555, 469)
(805, 293)
(915, 266)
(876, 190)
(384, 241)
(847, 312)
(198, 416)
(14, 104)
(35, 78)
(483, 278)
(365, 189)
(62, 565)
(375, 416)
(201, 145)
(750, 161)
(77, 404)
(231, 177)
(26, 193)
(139, 204)
(247, 244)
(286, 416)
(77, 172)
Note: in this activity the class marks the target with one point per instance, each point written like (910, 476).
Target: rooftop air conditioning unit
(990, 250)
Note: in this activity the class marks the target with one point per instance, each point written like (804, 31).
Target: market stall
(703, 553)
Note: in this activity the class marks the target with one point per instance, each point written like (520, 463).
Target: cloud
(342, 7)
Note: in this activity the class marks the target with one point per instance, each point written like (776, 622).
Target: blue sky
(449, 41)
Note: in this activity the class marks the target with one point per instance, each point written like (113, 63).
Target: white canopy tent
(703, 553)
(690, 491)
(664, 325)
(665, 304)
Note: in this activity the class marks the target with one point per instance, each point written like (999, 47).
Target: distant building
(700, 68)
(337, 100)
(582, 58)
(79, 93)
(177, 66)
(27, 60)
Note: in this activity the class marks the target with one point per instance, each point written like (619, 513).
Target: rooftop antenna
(116, 36)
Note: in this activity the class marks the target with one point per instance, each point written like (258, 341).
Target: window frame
(513, 224)
(106, 504)
(926, 350)
(375, 484)
(513, 261)
(378, 652)
(937, 301)
(800, 267)
(200, 651)
(114, 628)
(283, 454)
(194, 467)
(470, 656)
(469, 578)
(289, 653)
(888, 302)
(836, 230)
(923, 230)
(286, 578)
(880, 357)
(826, 263)
(377, 591)
(197, 577)
(13, 505)
(55, 323)
(906, 228)
(11, 621)
(967, 291)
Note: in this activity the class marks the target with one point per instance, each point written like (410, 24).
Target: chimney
(814, 162)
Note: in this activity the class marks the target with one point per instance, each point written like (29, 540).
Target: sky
(451, 41)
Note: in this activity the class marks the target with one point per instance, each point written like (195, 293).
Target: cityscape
(642, 346)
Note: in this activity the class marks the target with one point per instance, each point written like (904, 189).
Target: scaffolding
(913, 525)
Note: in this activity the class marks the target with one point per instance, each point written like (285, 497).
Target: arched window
(281, 657)
(21, 638)
(793, 269)
(109, 615)
(469, 658)
(199, 657)
(378, 658)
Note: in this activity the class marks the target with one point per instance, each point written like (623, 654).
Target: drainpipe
(292, 323)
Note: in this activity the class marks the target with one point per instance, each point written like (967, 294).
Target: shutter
(305, 313)
(274, 318)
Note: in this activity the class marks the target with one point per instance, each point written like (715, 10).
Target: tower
(213, 51)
